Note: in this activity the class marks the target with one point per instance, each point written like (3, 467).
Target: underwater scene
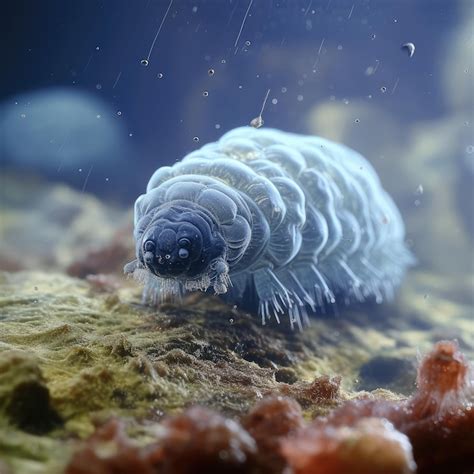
(236, 236)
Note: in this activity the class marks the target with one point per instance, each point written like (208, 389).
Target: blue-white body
(304, 222)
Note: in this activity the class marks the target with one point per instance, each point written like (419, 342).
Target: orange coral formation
(434, 428)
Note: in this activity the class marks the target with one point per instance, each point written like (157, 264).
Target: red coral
(110, 451)
(371, 446)
(197, 441)
(268, 423)
(438, 419)
(201, 441)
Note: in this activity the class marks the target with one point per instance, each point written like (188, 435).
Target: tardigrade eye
(149, 246)
(183, 253)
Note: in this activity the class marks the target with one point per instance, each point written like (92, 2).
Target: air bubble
(373, 36)
(211, 72)
(160, 75)
(470, 149)
(205, 93)
(357, 120)
(283, 90)
(23, 115)
(274, 101)
(144, 62)
(98, 87)
(383, 89)
(98, 116)
(248, 43)
(196, 139)
(299, 98)
(217, 126)
(119, 112)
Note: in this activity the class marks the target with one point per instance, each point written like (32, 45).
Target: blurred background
(95, 95)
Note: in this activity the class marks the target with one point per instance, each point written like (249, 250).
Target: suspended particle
(257, 122)
(196, 139)
(144, 62)
(205, 93)
(409, 48)
(160, 75)
(211, 72)
(383, 89)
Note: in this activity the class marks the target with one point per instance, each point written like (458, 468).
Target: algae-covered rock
(72, 357)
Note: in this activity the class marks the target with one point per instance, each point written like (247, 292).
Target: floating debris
(257, 122)
(410, 49)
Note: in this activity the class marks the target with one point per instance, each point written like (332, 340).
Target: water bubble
(144, 62)
(98, 87)
(205, 93)
(383, 89)
(160, 75)
(196, 139)
(211, 72)
(257, 122)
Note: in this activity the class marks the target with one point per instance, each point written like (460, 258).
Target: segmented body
(305, 222)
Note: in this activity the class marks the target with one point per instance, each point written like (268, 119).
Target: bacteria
(277, 222)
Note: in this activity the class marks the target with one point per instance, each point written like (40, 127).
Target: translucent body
(303, 222)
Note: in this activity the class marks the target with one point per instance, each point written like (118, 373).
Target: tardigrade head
(183, 244)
